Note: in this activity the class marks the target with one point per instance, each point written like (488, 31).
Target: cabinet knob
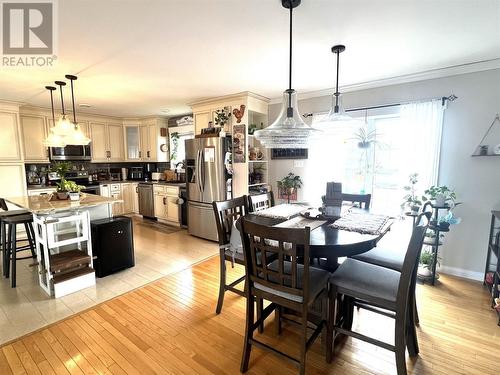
(140, 154)
(147, 155)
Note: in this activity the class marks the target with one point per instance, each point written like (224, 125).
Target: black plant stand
(493, 259)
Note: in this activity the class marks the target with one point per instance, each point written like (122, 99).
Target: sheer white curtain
(408, 141)
(423, 122)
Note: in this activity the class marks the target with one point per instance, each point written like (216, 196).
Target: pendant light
(289, 130)
(53, 139)
(77, 136)
(63, 126)
(337, 112)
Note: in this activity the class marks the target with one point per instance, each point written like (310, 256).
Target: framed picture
(239, 143)
(289, 153)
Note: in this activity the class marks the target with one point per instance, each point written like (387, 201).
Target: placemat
(282, 211)
(362, 223)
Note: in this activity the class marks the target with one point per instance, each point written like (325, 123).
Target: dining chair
(363, 200)
(380, 290)
(226, 214)
(283, 282)
(394, 259)
(260, 202)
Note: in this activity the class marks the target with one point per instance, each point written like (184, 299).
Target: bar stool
(9, 242)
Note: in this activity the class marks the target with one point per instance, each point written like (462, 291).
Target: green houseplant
(425, 263)
(175, 144)
(411, 200)
(441, 195)
(61, 169)
(289, 184)
(222, 116)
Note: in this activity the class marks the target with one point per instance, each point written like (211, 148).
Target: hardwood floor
(169, 327)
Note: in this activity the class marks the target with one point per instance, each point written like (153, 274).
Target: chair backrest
(262, 243)
(260, 201)
(362, 199)
(226, 213)
(408, 271)
(3, 205)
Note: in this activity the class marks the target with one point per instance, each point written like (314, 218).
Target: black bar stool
(9, 242)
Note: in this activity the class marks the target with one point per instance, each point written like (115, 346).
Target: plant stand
(493, 260)
(435, 243)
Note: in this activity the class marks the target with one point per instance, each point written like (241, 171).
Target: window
(382, 165)
(178, 136)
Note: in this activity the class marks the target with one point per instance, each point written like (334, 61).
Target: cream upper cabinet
(115, 142)
(201, 120)
(107, 142)
(132, 143)
(33, 134)
(144, 141)
(10, 148)
(154, 142)
(99, 144)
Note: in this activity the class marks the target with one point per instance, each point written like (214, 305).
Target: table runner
(364, 223)
(301, 222)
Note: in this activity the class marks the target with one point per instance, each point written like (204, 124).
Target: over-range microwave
(70, 152)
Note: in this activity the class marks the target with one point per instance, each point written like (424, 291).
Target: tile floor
(28, 308)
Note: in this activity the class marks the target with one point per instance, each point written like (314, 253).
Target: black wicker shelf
(493, 250)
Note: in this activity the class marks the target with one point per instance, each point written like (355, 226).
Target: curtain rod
(444, 99)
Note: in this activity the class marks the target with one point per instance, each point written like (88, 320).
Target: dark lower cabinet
(112, 245)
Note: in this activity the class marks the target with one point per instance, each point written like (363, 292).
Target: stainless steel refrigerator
(206, 180)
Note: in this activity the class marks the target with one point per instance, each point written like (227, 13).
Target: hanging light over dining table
(337, 113)
(64, 132)
(289, 130)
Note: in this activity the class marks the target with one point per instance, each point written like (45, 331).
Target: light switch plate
(298, 163)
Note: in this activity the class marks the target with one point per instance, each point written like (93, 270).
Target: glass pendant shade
(289, 130)
(54, 140)
(77, 137)
(63, 127)
(336, 115)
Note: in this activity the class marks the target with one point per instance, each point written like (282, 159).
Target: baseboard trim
(467, 274)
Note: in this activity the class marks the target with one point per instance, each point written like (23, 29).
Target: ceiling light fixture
(53, 139)
(337, 112)
(288, 130)
(64, 132)
(78, 138)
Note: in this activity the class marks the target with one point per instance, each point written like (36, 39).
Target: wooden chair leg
(278, 313)
(31, 239)
(303, 343)
(411, 334)
(13, 254)
(4, 248)
(222, 283)
(330, 324)
(260, 307)
(247, 346)
(400, 345)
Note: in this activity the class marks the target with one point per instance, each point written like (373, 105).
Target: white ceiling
(138, 58)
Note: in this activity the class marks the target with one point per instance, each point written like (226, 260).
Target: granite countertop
(43, 205)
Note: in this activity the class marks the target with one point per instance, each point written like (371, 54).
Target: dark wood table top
(329, 242)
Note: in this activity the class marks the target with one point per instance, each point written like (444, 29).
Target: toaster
(157, 176)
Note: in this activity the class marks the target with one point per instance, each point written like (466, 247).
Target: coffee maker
(136, 173)
(149, 168)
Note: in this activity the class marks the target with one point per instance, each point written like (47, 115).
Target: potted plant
(410, 200)
(73, 190)
(425, 263)
(289, 184)
(61, 169)
(440, 195)
(365, 138)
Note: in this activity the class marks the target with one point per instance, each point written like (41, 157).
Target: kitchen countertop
(43, 205)
(96, 183)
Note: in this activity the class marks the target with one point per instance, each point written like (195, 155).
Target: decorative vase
(63, 195)
(423, 271)
(74, 196)
(440, 200)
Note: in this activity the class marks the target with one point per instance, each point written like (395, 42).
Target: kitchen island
(63, 239)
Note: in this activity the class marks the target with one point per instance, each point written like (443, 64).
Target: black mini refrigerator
(112, 245)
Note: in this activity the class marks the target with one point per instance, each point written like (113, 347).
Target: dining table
(328, 242)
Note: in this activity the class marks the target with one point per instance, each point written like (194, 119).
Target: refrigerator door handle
(198, 171)
(202, 171)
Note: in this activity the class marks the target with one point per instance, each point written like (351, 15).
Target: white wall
(476, 180)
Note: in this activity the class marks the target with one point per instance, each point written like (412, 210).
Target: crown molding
(229, 98)
(414, 77)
